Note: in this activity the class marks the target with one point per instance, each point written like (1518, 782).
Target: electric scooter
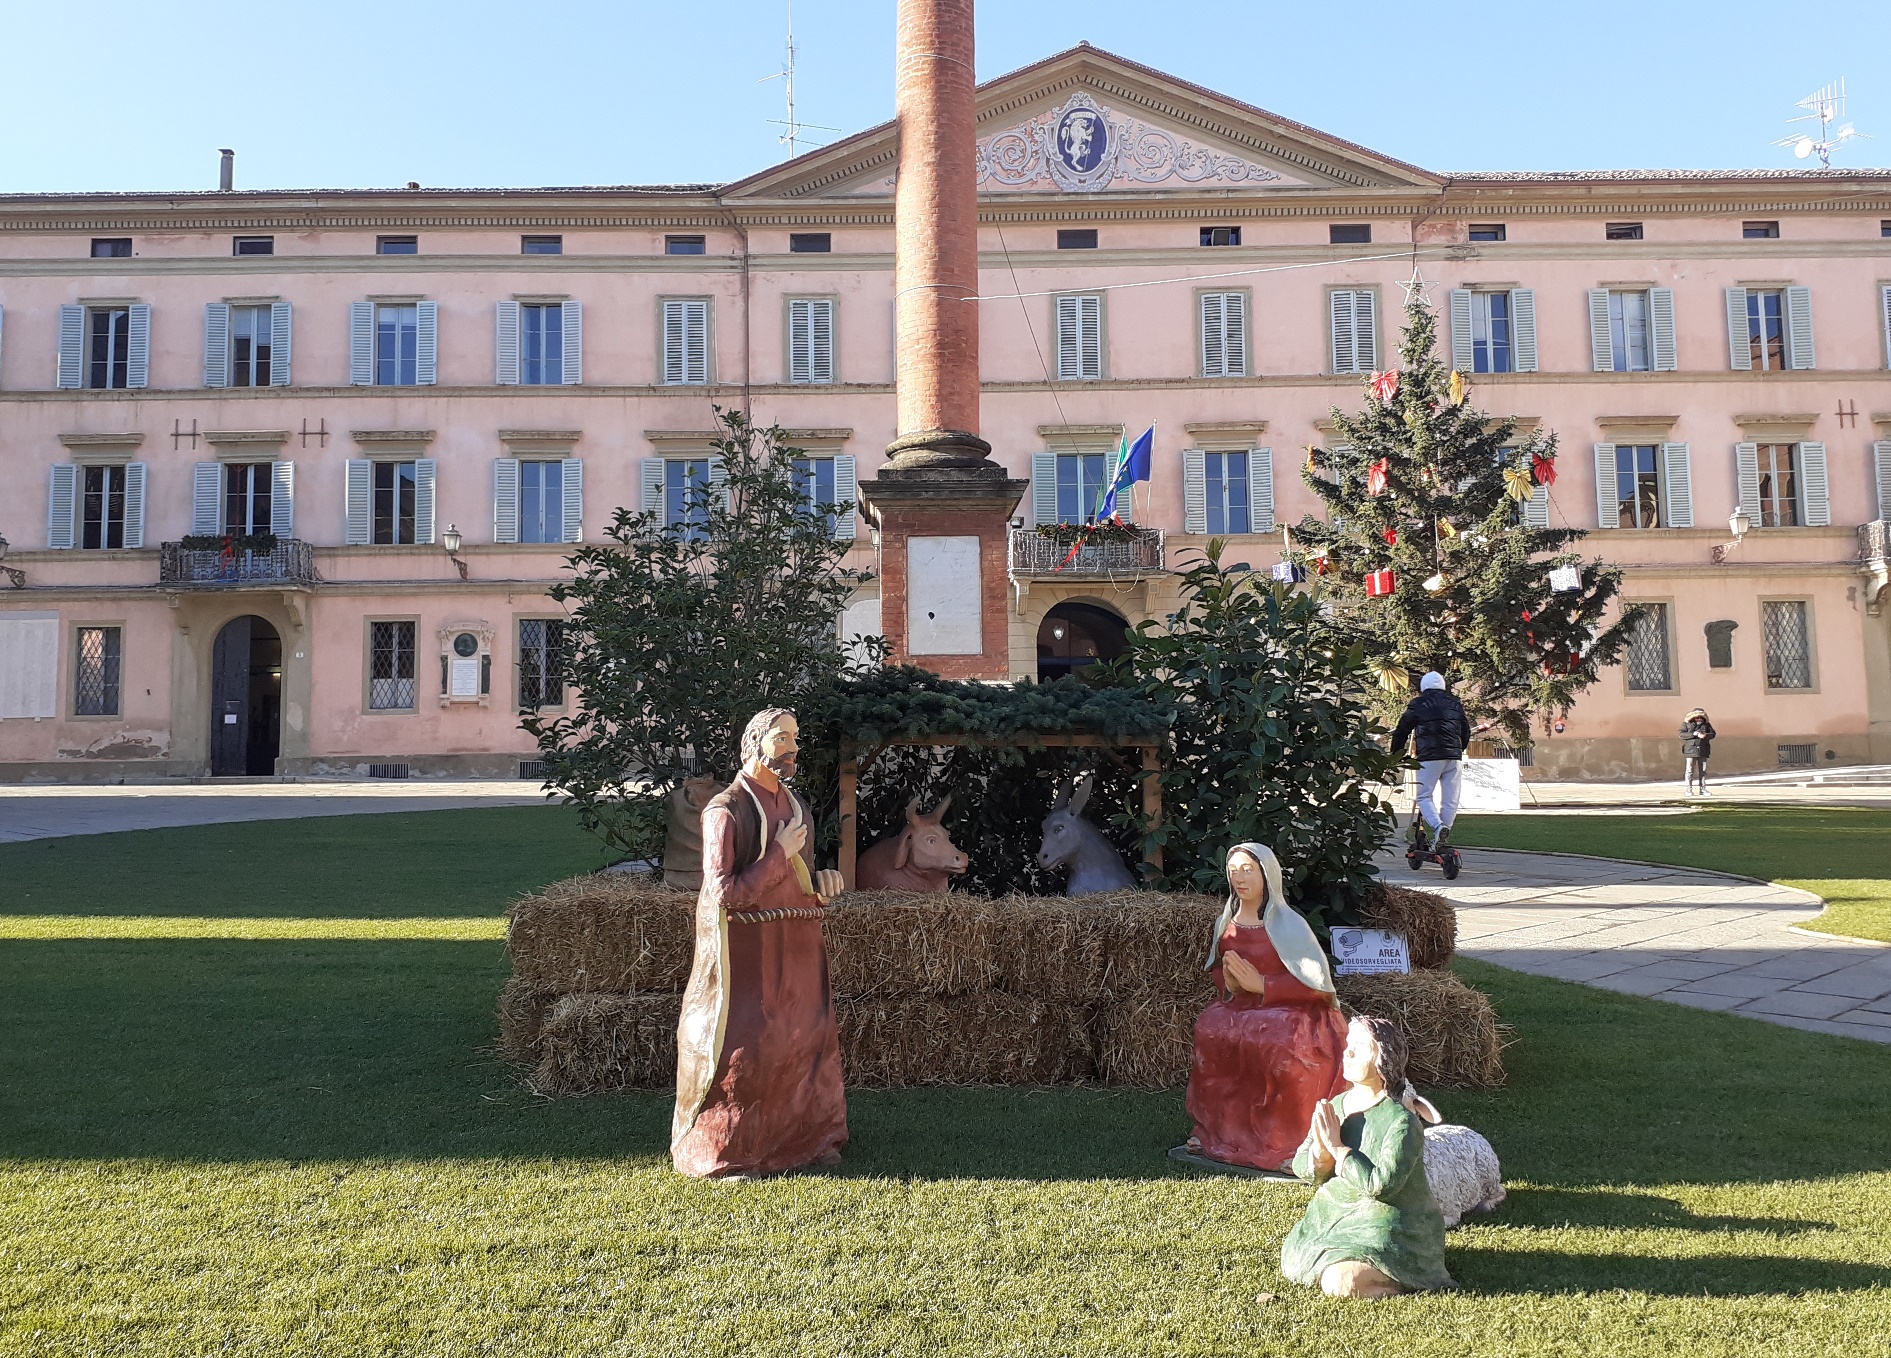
(1422, 850)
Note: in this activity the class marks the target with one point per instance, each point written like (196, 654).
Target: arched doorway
(1073, 635)
(246, 699)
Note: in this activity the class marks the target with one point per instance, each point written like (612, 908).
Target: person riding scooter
(1435, 722)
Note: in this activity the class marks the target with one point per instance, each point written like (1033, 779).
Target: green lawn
(240, 1120)
(1840, 854)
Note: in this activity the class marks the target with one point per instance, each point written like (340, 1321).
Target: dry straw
(980, 1038)
(591, 1043)
(1450, 1028)
(605, 932)
(1429, 923)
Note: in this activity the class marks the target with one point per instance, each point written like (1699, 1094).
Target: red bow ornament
(1384, 385)
(1543, 469)
(1391, 536)
(1375, 477)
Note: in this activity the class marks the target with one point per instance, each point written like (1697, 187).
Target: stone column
(941, 506)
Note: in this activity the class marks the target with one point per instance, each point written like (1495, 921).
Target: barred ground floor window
(96, 686)
(1650, 665)
(541, 647)
(1786, 628)
(391, 686)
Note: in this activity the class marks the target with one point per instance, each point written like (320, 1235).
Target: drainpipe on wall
(742, 234)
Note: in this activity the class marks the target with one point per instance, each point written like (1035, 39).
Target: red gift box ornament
(1378, 583)
(1391, 536)
(1384, 385)
(1543, 469)
(1375, 477)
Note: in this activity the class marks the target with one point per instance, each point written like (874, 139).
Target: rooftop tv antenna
(792, 137)
(1824, 107)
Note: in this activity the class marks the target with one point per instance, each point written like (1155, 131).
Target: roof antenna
(1824, 107)
(792, 138)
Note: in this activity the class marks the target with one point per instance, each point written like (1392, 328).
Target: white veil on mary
(1292, 937)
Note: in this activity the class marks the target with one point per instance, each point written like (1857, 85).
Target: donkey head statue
(1073, 842)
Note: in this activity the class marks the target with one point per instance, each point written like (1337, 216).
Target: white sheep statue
(1460, 1165)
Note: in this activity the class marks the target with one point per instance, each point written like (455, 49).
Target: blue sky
(109, 95)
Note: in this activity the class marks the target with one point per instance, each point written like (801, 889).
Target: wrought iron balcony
(1111, 552)
(291, 563)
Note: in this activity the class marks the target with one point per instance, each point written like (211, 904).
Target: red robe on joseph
(758, 1077)
(1261, 1064)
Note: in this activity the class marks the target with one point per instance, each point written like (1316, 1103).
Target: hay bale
(1156, 942)
(911, 943)
(522, 1011)
(1146, 1039)
(981, 1038)
(1451, 1029)
(1048, 947)
(1429, 922)
(590, 1043)
(603, 933)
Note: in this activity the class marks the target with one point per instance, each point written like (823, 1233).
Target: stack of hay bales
(928, 989)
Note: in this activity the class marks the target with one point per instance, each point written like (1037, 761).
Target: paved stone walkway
(1698, 938)
(28, 812)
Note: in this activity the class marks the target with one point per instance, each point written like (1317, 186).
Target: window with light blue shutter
(846, 488)
(541, 500)
(652, 485)
(505, 499)
(281, 338)
(1601, 339)
(424, 471)
(1739, 350)
(1523, 330)
(1043, 488)
(1261, 490)
(1815, 495)
(1536, 509)
(1799, 352)
(574, 499)
(138, 346)
(1608, 505)
(427, 347)
(206, 498)
(542, 344)
(358, 502)
(506, 346)
(1228, 492)
(1461, 354)
(216, 344)
(1194, 491)
(1746, 479)
(361, 344)
(71, 346)
(62, 505)
(1661, 329)
(1353, 330)
(282, 499)
(1677, 485)
(572, 314)
(1881, 475)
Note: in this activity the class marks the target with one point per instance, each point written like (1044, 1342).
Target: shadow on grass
(215, 1049)
(1550, 1272)
(1553, 1207)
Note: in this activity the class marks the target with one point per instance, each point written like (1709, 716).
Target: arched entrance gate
(246, 699)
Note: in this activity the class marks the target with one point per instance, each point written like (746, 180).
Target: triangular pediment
(1089, 122)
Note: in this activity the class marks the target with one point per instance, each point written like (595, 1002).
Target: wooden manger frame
(852, 757)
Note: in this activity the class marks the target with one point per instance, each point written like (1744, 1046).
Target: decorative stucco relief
(1082, 148)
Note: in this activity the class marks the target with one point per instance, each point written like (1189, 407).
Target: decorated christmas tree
(1436, 551)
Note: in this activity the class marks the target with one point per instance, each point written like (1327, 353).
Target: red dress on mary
(1261, 1062)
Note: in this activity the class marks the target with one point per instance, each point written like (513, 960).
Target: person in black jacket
(1435, 723)
(1697, 742)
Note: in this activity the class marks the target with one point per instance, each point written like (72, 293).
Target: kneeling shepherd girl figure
(1373, 1228)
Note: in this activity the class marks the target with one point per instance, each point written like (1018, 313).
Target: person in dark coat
(1697, 742)
(1436, 725)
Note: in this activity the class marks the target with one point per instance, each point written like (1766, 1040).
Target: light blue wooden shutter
(1091, 352)
(1234, 335)
(358, 501)
(1815, 497)
(505, 499)
(1523, 329)
(1461, 357)
(1739, 346)
(1608, 501)
(138, 345)
(1044, 483)
(1365, 330)
(424, 472)
(1260, 490)
(1601, 343)
(1677, 485)
(1339, 305)
(654, 469)
(62, 505)
(1213, 323)
(1881, 474)
(1536, 509)
(1665, 358)
(1194, 491)
(675, 332)
(361, 344)
(1069, 339)
(71, 347)
(1746, 476)
(217, 344)
(811, 340)
(426, 345)
(719, 482)
(206, 498)
(281, 495)
(571, 316)
(134, 504)
(505, 347)
(1799, 328)
(846, 492)
(281, 342)
(573, 505)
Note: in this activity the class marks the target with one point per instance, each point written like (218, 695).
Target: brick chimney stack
(941, 505)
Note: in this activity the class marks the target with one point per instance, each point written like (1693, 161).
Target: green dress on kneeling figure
(1375, 1207)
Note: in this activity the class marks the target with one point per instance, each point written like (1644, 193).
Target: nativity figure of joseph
(758, 1078)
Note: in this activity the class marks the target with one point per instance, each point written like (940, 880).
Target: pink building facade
(370, 375)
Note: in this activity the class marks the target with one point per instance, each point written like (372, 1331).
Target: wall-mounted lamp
(451, 541)
(18, 577)
(1739, 523)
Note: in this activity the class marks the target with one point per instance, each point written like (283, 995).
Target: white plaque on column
(944, 601)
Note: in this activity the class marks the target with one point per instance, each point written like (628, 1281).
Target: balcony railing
(1137, 553)
(1874, 541)
(291, 563)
